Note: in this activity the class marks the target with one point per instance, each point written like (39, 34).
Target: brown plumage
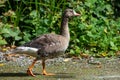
(49, 45)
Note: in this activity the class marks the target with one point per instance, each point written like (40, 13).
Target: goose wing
(49, 43)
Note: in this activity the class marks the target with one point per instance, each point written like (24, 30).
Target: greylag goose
(48, 45)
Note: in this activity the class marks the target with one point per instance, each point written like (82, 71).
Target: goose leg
(29, 71)
(44, 71)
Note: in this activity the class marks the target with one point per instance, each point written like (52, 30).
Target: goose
(48, 46)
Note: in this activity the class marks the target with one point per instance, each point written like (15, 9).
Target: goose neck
(64, 28)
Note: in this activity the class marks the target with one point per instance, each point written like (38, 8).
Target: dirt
(64, 68)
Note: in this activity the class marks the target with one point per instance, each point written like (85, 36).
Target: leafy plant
(95, 32)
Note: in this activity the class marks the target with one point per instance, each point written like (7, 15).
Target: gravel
(66, 68)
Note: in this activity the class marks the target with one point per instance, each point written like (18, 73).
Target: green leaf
(2, 41)
(17, 38)
(26, 37)
(33, 14)
(5, 30)
(113, 46)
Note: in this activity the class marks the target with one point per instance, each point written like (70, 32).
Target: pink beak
(77, 14)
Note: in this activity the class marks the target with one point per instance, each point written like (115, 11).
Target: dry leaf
(1, 64)
(67, 59)
(84, 55)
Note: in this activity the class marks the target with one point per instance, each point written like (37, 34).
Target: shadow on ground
(57, 75)
(13, 75)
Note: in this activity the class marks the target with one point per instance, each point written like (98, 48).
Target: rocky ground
(14, 68)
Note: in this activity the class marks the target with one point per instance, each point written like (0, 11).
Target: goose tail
(24, 50)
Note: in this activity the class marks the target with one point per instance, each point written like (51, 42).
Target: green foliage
(98, 31)
(95, 32)
(8, 33)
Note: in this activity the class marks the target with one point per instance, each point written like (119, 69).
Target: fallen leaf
(67, 59)
(13, 46)
(4, 49)
(104, 54)
(1, 64)
(83, 55)
(99, 66)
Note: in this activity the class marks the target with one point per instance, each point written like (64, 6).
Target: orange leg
(44, 71)
(29, 71)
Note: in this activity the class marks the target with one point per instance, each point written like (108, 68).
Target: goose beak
(76, 14)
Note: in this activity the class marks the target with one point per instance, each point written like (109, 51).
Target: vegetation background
(96, 32)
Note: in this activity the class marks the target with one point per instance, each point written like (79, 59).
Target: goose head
(69, 13)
